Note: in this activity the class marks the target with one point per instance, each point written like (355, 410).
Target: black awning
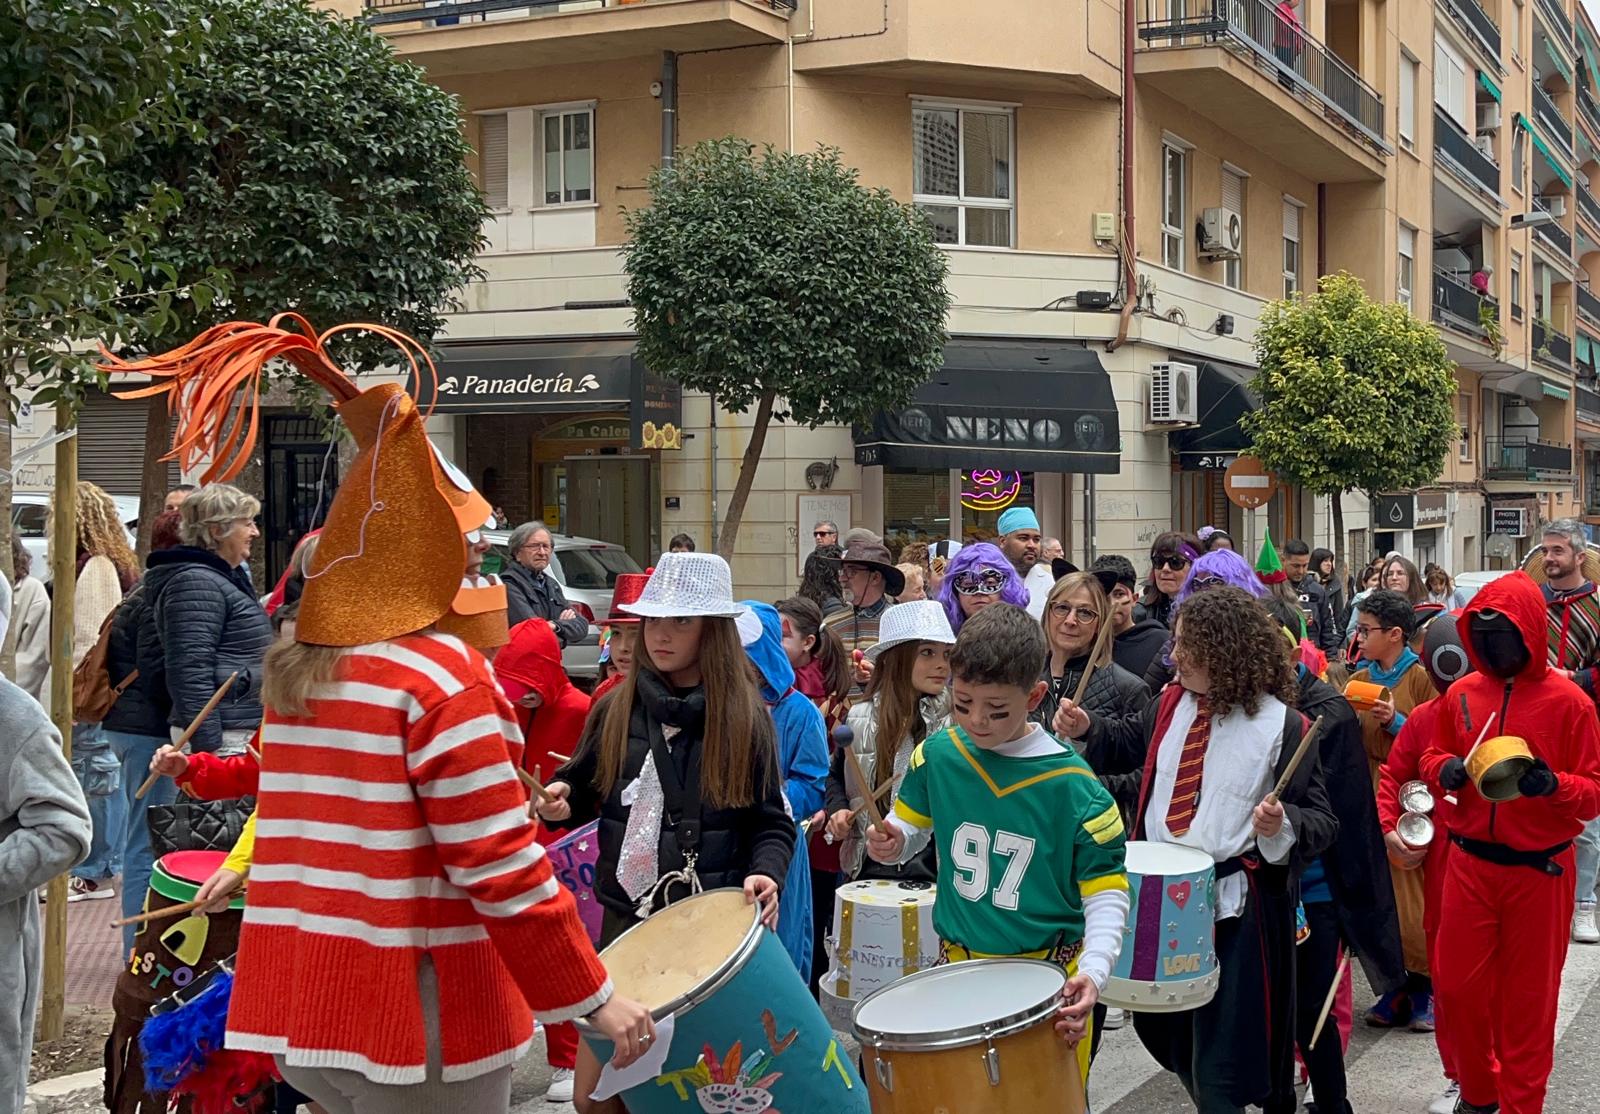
(1225, 397)
(1039, 406)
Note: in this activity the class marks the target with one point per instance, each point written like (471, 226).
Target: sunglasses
(988, 582)
(1172, 561)
(823, 533)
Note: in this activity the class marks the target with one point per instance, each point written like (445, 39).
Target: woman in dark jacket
(204, 617)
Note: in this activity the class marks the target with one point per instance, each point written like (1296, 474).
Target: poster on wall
(814, 507)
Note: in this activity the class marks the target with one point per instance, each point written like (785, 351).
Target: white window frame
(1405, 283)
(1291, 277)
(1233, 269)
(1464, 421)
(541, 190)
(1519, 157)
(1406, 110)
(1175, 238)
(1451, 87)
(1516, 30)
(525, 154)
(962, 203)
(1516, 285)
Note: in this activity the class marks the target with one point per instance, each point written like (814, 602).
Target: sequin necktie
(637, 865)
(1191, 763)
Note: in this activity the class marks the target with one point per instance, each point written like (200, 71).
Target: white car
(30, 518)
(1470, 584)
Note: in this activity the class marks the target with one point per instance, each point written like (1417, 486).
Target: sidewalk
(94, 951)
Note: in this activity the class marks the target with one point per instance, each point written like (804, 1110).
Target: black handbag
(188, 825)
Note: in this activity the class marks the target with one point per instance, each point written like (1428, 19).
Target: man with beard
(1572, 607)
(1021, 542)
(1320, 626)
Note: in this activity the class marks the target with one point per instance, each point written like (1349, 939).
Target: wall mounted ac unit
(1174, 391)
(1485, 143)
(1489, 116)
(1221, 233)
(1557, 205)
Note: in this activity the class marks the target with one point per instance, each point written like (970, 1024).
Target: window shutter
(1408, 242)
(1408, 98)
(1291, 220)
(110, 435)
(1232, 191)
(494, 159)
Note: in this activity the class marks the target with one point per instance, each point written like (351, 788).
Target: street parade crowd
(964, 807)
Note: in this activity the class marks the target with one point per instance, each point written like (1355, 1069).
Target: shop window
(916, 507)
(985, 495)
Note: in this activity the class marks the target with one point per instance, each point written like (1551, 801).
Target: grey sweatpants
(349, 1092)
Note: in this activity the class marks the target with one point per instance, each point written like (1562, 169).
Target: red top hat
(628, 588)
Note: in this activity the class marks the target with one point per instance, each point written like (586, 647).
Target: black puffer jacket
(207, 623)
(734, 843)
(142, 709)
(1112, 691)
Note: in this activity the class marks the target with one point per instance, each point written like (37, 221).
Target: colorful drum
(747, 1035)
(573, 858)
(974, 1036)
(1168, 961)
(882, 931)
(168, 954)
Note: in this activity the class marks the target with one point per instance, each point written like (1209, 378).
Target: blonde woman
(106, 570)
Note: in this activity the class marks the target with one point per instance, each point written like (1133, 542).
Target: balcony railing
(1588, 401)
(1589, 110)
(1588, 205)
(1588, 306)
(1257, 26)
(1559, 22)
(1458, 149)
(1470, 14)
(1525, 458)
(1551, 346)
(443, 13)
(1553, 234)
(1550, 116)
(1456, 305)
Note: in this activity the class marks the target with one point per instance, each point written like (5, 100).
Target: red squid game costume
(1509, 883)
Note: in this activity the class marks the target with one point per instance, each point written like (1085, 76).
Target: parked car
(30, 518)
(587, 571)
(1470, 584)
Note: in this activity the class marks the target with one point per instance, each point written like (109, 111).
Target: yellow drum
(1364, 694)
(1495, 765)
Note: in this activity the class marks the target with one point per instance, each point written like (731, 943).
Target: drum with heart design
(1168, 961)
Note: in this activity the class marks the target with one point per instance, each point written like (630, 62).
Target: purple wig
(1224, 565)
(976, 558)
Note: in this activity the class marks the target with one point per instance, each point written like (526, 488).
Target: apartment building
(1265, 151)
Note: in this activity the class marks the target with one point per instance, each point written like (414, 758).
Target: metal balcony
(1525, 458)
(1556, 237)
(1476, 22)
(444, 13)
(1557, 125)
(1456, 305)
(1462, 155)
(1557, 18)
(1551, 347)
(1589, 110)
(1588, 400)
(1588, 305)
(1588, 205)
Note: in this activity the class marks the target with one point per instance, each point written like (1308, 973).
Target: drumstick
(1482, 735)
(1327, 1003)
(254, 753)
(561, 758)
(854, 765)
(174, 910)
(1094, 657)
(1294, 763)
(876, 796)
(183, 740)
(534, 785)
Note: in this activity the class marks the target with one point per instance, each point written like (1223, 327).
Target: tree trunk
(153, 484)
(747, 476)
(1340, 572)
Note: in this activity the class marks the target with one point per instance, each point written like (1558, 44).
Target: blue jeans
(135, 752)
(1588, 849)
(95, 769)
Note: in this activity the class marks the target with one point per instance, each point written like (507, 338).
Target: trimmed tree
(325, 176)
(1356, 395)
(777, 281)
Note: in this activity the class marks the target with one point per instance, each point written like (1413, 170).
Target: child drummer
(1212, 748)
(1029, 842)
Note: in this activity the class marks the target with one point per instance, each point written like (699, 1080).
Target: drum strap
(1501, 855)
(682, 800)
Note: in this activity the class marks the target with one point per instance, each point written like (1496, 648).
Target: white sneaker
(1115, 1018)
(83, 889)
(1583, 926)
(561, 1086)
(1446, 1103)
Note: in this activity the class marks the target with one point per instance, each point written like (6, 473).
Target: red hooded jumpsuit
(531, 662)
(1504, 931)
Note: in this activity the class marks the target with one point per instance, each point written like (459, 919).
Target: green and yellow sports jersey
(1022, 842)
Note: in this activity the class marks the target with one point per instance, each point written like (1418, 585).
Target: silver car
(587, 570)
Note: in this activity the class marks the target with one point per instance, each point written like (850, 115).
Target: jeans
(1588, 845)
(135, 752)
(108, 812)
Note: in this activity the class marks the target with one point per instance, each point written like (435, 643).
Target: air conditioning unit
(1221, 233)
(1489, 116)
(1557, 205)
(1174, 391)
(1485, 143)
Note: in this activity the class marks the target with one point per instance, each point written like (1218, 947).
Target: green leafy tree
(777, 281)
(1356, 395)
(325, 176)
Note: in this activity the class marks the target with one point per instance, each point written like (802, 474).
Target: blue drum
(746, 1037)
(1169, 959)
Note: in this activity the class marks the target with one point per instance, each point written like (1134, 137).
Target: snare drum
(1169, 960)
(573, 859)
(747, 1035)
(167, 956)
(973, 1036)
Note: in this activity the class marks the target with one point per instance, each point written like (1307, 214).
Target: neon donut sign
(989, 489)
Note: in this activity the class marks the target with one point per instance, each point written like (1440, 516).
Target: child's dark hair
(1000, 645)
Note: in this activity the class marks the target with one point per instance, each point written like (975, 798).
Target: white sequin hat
(685, 585)
(915, 621)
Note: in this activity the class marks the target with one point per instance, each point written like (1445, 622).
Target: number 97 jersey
(1022, 841)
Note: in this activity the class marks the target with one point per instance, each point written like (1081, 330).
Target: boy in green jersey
(1030, 844)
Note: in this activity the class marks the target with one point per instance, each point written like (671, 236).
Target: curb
(64, 1093)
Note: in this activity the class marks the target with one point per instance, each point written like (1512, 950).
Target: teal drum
(746, 1037)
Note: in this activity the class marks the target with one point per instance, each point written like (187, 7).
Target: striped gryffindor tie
(1186, 787)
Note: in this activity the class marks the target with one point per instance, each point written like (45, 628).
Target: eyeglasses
(1172, 561)
(1364, 631)
(537, 547)
(848, 571)
(986, 582)
(1066, 611)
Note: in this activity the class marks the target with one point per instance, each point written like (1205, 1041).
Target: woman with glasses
(1073, 615)
(1170, 558)
(978, 576)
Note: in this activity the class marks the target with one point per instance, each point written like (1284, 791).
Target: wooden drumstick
(1094, 657)
(183, 740)
(561, 758)
(876, 796)
(175, 910)
(853, 764)
(534, 785)
(1482, 735)
(1299, 754)
(1327, 1003)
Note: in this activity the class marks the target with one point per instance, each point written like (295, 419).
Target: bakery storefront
(568, 431)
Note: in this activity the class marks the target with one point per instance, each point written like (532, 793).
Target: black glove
(1453, 774)
(1538, 781)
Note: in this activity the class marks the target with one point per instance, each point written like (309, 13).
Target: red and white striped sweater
(391, 824)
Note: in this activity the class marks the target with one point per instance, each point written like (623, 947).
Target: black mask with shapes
(1498, 644)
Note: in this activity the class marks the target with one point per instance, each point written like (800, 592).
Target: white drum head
(1146, 858)
(960, 996)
